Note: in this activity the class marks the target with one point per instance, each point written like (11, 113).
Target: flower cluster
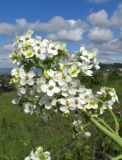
(79, 129)
(86, 60)
(39, 154)
(108, 98)
(30, 50)
(48, 78)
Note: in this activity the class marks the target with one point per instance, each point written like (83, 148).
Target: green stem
(115, 120)
(117, 158)
(113, 136)
(114, 117)
(105, 124)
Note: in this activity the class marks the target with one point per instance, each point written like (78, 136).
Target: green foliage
(95, 80)
(19, 133)
(114, 74)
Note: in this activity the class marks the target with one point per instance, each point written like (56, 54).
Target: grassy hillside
(20, 132)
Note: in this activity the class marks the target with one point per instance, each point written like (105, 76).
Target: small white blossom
(39, 154)
(26, 77)
(50, 88)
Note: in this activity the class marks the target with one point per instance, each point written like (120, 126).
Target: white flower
(66, 104)
(15, 72)
(74, 70)
(86, 55)
(26, 37)
(39, 155)
(47, 102)
(40, 52)
(82, 49)
(91, 104)
(22, 90)
(51, 73)
(39, 82)
(70, 87)
(58, 83)
(28, 53)
(77, 102)
(26, 106)
(102, 108)
(87, 69)
(50, 88)
(87, 134)
(14, 101)
(44, 43)
(96, 64)
(62, 77)
(52, 49)
(77, 123)
(26, 78)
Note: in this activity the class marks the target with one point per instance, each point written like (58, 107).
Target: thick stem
(105, 124)
(112, 135)
(114, 117)
(116, 122)
(117, 158)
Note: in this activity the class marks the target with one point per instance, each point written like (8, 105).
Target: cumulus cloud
(108, 58)
(112, 47)
(116, 19)
(6, 28)
(59, 28)
(99, 35)
(102, 19)
(102, 29)
(99, 18)
(106, 34)
(70, 35)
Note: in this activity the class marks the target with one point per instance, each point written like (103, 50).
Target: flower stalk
(115, 137)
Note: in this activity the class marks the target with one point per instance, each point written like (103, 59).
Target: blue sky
(93, 23)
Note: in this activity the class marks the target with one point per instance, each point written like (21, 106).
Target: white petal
(63, 108)
(43, 49)
(22, 82)
(30, 82)
(61, 82)
(56, 90)
(31, 74)
(68, 79)
(22, 74)
(48, 106)
(44, 87)
(51, 83)
(42, 56)
(54, 52)
(72, 91)
(50, 93)
(27, 158)
(72, 107)
(22, 90)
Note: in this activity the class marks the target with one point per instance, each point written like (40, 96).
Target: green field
(20, 132)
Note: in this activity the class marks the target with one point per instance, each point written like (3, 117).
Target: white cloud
(98, 1)
(71, 35)
(102, 31)
(99, 35)
(7, 47)
(102, 19)
(116, 19)
(59, 28)
(6, 28)
(62, 29)
(112, 47)
(99, 18)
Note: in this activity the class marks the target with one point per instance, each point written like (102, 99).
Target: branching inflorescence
(48, 78)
